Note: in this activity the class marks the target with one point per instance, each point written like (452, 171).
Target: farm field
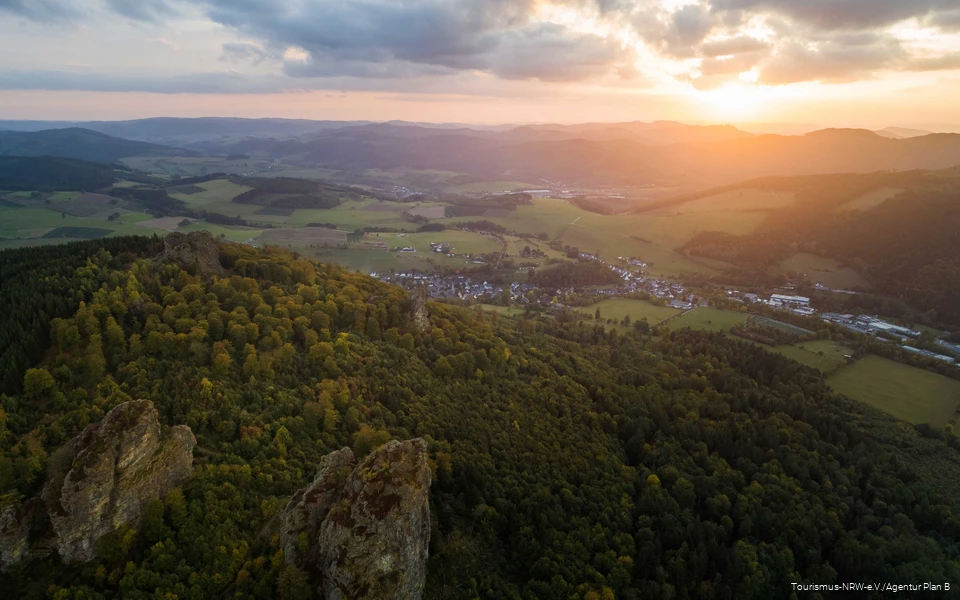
(824, 355)
(870, 199)
(353, 215)
(785, 327)
(618, 308)
(76, 233)
(611, 235)
(214, 192)
(461, 242)
(908, 393)
(735, 201)
(372, 261)
(708, 319)
(509, 311)
(302, 236)
(831, 272)
(36, 222)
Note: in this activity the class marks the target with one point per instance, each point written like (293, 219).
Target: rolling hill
(50, 174)
(81, 144)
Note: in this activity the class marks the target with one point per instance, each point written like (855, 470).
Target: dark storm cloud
(840, 14)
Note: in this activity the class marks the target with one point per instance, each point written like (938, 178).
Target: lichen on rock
(374, 542)
(367, 526)
(114, 468)
(309, 507)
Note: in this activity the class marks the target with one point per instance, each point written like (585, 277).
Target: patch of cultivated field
(870, 199)
(461, 242)
(213, 192)
(168, 223)
(430, 211)
(369, 261)
(819, 354)
(906, 392)
(352, 215)
(650, 238)
(618, 308)
(831, 272)
(509, 311)
(737, 201)
(303, 236)
(707, 318)
(77, 233)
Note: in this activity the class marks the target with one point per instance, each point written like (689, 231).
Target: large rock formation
(198, 249)
(308, 507)
(115, 467)
(421, 316)
(374, 524)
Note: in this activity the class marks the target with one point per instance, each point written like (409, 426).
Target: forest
(906, 246)
(569, 462)
(49, 174)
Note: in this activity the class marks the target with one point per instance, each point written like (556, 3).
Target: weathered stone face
(373, 544)
(367, 525)
(421, 317)
(309, 507)
(198, 249)
(117, 466)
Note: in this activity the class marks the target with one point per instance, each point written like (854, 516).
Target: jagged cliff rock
(373, 544)
(197, 249)
(112, 470)
(421, 317)
(366, 526)
(308, 508)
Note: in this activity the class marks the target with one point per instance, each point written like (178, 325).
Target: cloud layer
(709, 43)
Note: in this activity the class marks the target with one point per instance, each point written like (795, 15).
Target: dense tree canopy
(569, 462)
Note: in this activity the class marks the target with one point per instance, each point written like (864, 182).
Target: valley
(597, 325)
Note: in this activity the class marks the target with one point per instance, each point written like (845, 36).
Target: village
(633, 282)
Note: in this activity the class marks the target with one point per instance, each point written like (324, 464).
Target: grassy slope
(710, 319)
(808, 353)
(905, 392)
(831, 272)
(618, 308)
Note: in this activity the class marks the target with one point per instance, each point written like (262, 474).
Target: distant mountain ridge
(664, 153)
(80, 144)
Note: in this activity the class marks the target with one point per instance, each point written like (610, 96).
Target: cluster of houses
(456, 287)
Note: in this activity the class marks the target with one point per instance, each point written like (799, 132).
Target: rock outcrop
(114, 468)
(369, 530)
(198, 249)
(421, 317)
(308, 507)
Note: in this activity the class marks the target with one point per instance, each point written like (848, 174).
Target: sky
(848, 63)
